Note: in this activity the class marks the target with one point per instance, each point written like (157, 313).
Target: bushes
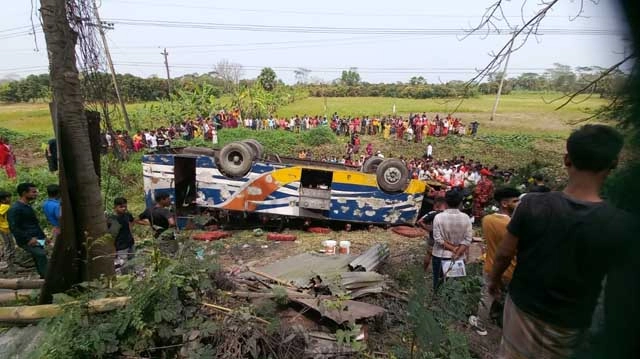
(318, 136)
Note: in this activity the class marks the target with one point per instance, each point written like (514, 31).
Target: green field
(517, 112)
(525, 130)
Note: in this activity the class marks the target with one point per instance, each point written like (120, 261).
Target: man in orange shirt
(494, 228)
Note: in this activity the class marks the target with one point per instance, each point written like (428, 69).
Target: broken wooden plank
(270, 277)
(370, 259)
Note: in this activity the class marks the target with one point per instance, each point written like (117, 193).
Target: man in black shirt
(566, 242)
(25, 227)
(159, 217)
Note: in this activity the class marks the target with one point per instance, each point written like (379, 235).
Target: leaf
(61, 298)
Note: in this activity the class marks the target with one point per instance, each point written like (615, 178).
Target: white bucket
(330, 247)
(345, 247)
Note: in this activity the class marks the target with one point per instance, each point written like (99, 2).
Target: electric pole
(504, 74)
(127, 124)
(166, 65)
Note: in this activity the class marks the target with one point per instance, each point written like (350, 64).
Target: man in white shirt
(452, 235)
(429, 150)
(152, 140)
(446, 174)
(473, 178)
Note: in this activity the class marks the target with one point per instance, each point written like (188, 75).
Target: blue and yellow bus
(239, 177)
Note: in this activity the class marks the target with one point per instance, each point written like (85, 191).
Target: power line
(24, 27)
(349, 30)
(324, 12)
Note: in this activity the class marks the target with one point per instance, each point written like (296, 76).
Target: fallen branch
(269, 295)
(29, 314)
(270, 277)
(229, 311)
(20, 283)
(16, 295)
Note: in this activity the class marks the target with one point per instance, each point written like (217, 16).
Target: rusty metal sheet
(371, 259)
(298, 270)
(348, 311)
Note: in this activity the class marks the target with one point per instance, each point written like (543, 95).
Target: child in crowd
(120, 224)
(9, 246)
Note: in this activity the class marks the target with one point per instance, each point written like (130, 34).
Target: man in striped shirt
(452, 235)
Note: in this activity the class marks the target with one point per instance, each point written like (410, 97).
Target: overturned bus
(240, 177)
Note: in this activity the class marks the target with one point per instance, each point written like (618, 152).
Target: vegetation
(225, 80)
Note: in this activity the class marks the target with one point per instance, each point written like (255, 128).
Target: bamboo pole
(16, 295)
(20, 283)
(228, 311)
(29, 314)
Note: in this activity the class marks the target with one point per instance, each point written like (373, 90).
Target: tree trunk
(80, 187)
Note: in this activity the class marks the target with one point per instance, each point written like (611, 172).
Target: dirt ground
(246, 249)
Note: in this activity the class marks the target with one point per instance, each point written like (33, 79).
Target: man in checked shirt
(452, 235)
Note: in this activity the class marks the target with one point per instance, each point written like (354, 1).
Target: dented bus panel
(311, 189)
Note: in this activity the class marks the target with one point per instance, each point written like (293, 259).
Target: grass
(517, 112)
(525, 129)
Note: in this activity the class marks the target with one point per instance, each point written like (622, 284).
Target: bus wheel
(235, 159)
(392, 175)
(371, 164)
(255, 146)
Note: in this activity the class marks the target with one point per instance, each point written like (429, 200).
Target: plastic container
(330, 247)
(345, 247)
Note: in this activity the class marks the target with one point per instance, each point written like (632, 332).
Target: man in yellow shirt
(494, 228)
(9, 246)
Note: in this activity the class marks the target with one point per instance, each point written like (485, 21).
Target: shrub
(318, 136)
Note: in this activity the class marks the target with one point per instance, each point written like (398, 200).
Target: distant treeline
(97, 87)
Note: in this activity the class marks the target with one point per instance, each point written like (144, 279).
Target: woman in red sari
(482, 194)
(7, 159)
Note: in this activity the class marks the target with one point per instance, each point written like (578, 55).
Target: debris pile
(321, 289)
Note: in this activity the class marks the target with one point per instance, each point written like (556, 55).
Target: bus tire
(255, 146)
(392, 175)
(371, 164)
(235, 159)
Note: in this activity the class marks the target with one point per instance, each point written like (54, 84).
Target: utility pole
(166, 65)
(504, 74)
(113, 70)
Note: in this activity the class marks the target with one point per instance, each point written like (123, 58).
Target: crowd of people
(547, 255)
(19, 224)
(414, 128)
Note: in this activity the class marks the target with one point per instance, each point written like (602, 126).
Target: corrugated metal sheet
(370, 259)
(349, 311)
(299, 270)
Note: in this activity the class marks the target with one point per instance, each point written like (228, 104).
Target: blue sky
(380, 57)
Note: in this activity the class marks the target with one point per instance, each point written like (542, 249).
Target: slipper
(477, 325)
